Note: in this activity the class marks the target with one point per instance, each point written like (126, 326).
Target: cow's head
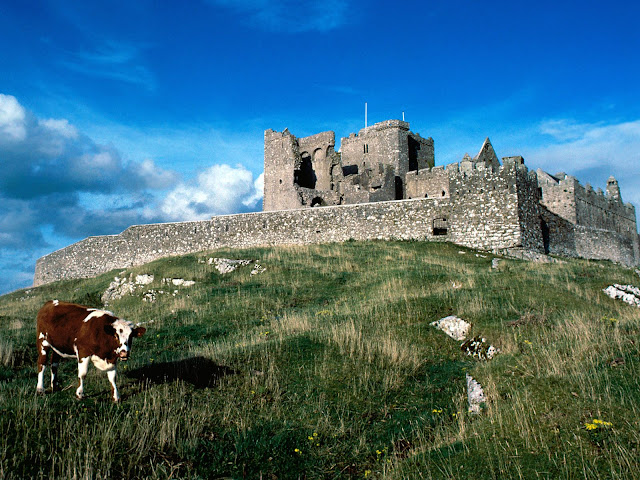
(123, 331)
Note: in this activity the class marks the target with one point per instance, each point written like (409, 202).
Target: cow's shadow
(200, 372)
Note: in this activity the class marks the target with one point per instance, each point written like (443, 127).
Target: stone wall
(483, 209)
(566, 239)
(404, 219)
(428, 183)
(584, 206)
(282, 151)
(487, 206)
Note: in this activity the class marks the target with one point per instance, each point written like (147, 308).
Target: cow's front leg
(111, 374)
(55, 360)
(40, 386)
(43, 350)
(83, 368)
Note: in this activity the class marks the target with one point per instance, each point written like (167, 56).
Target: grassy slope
(325, 366)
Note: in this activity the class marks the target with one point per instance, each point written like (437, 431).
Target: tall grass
(325, 366)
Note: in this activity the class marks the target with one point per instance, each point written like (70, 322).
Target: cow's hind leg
(55, 361)
(43, 349)
(83, 368)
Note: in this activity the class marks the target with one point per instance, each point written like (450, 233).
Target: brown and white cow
(75, 331)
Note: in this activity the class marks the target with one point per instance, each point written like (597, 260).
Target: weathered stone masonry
(405, 219)
(383, 185)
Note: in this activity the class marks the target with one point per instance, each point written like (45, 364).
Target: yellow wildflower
(602, 422)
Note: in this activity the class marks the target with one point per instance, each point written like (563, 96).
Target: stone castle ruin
(480, 202)
(383, 184)
(371, 166)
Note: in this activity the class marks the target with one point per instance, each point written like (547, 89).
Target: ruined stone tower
(371, 166)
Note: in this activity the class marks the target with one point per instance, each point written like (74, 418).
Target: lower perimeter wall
(402, 219)
(562, 237)
(492, 224)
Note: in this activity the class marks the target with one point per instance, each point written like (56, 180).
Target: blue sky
(119, 113)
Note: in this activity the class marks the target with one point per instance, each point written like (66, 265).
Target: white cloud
(155, 177)
(12, 119)
(574, 146)
(45, 156)
(60, 126)
(59, 185)
(219, 190)
(590, 152)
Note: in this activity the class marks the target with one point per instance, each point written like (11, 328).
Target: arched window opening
(306, 176)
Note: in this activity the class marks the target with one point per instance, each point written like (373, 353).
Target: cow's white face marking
(56, 303)
(123, 330)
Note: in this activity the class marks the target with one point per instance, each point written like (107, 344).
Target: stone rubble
(122, 286)
(178, 282)
(258, 269)
(475, 395)
(478, 347)
(627, 293)
(453, 326)
(227, 265)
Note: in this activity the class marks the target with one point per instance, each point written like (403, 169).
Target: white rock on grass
(258, 269)
(475, 395)
(478, 347)
(453, 326)
(122, 286)
(144, 279)
(178, 282)
(226, 265)
(627, 293)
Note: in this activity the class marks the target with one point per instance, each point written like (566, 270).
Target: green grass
(325, 366)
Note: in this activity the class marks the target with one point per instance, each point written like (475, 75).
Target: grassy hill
(325, 366)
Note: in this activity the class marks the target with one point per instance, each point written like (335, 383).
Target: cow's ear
(109, 330)
(138, 332)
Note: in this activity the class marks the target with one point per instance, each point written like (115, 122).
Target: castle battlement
(377, 127)
(465, 169)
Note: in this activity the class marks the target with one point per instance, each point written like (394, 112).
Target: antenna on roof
(365, 114)
(403, 116)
